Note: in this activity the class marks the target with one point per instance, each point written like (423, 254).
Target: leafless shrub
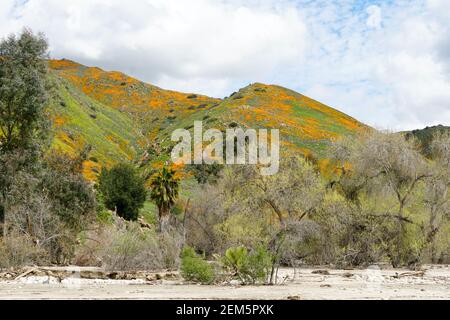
(92, 243)
(130, 248)
(169, 247)
(202, 216)
(49, 204)
(30, 214)
(303, 240)
(18, 250)
(382, 177)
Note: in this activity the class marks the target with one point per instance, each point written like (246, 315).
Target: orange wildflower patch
(59, 121)
(91, 170)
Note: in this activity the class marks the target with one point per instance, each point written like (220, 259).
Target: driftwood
(88, 273)
(25, 273)
(409, 274)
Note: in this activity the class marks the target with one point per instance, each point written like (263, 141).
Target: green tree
(23, 92)
(164, 192)
(23, 86)
(123, 190)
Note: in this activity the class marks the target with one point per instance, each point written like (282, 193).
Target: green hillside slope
(124, 118)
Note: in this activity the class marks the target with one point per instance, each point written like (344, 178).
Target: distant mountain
(122, 118)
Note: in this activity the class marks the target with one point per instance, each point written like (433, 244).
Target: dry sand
(371, 283)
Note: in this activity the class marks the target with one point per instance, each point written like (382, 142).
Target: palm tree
(164, 192)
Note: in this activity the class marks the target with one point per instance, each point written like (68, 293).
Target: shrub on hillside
(206, 173)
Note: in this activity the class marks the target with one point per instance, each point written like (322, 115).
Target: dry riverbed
(433, 282)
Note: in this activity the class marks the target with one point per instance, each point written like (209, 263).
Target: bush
(49, 208)
(123, 252)
(248, 268)
(196, 268)
(130, 248)
(202, 217)
(259, 264)
(234, 260)
(242, 229)
(169, 247)
(206, 173)
(123, 190)
(19, 250)
(71, 197)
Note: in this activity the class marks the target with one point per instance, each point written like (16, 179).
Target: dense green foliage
(195, 268)
(123, 190)
(44, 198)
(249, 268)
(23, 92)
(22, 97)
(71, 196)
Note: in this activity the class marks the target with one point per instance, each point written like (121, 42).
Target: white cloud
(385, 63)
(374, 19)
(214, 42)
(393, 76)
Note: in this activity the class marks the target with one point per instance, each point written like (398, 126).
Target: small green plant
(249, 268)
(195, 267)
(105, 217)
(234, 261)
(259, 264)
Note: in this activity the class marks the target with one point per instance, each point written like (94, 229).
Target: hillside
(124, 118)
(305, 124)
(425, 136)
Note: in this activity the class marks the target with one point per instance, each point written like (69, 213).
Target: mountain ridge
(123, 118)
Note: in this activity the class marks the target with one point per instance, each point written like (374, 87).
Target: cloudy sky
(385, 62)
